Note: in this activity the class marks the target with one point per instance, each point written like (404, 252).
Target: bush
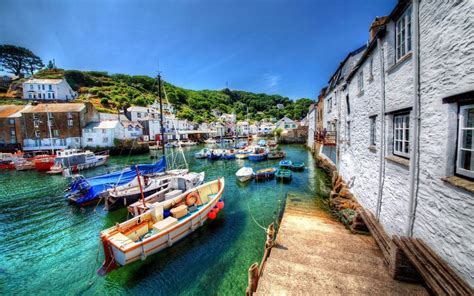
(104, 101)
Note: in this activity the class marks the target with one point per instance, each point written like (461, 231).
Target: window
(42, 86)
(12, 132)
(39, 87)
(49, 95)
(105, 140)
(348, 105)
(465, 153)
(31, 86)
(11, 121)
(401, 135)
(69, 115)
(70, 122)
(36, 123)
(56, 133)
(52, 95)
(348, 132)
(372, 130)
(50, 87)
(89, 140)
(139, 115)
(403, 34)
(29, 96)
(37, 134)
(371, 69)
(104, 131)
(360, 81)
(329, 105)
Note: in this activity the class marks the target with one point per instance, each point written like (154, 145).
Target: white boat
(203, 153)
(153, 231)
(23, 164)
(210, 141)
(175, 185)
(74, 160)
(188, 143)
(244, 174)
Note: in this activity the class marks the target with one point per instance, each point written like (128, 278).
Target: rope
(253, 218)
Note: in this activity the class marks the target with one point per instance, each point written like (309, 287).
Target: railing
(325, 137)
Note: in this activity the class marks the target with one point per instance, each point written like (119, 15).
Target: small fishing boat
(272, 144)
(240, 145)
(74, 160)
(203, 153)
(229, 154)
(187, 143)
(265, 174)
(160, 227)
(129, 193)
(210, 141)
(283, 175)
(244, 174)
(242, 154)
(285, 164)
(262, 143)
(23, 164)
(215, 154)
(43, 163)
(297, 166)
(258, 154)
(177, 184)
(276, 154)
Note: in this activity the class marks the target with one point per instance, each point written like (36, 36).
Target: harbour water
(51, 247)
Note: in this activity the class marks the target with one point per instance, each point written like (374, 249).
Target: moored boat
(277, 154)
(283, 175)
(74, 160)
(43, 163)
(265, 174)
(229, 154)
(242, 154)
(244, 174)
(210, 141)
(23, 164)
(215, 154)
(285, 164)
(203, 153)
(262, 143)
(297, 166)
(160, 227)
(258, 154)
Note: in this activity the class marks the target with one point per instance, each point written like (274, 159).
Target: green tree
(19, 60)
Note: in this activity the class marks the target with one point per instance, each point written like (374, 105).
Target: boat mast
(161, 115)
(49, 129)
(140, 185)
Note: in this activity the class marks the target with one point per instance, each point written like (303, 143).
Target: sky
(286, 47)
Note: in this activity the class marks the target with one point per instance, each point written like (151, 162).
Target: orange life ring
(192, 198)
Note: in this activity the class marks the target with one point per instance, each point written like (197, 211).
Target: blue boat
(83, 191)
(285, 164)
(262, 143)
(240, 145)
(265, 174)
(214, 156)
(228, 156)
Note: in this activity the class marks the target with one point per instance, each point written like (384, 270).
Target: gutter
(414, 153)
(382, 130)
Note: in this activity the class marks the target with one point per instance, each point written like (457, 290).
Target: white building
(415, 176)
(48, 89)
(266, 128)
(228, 118)
(253, 129)
(101, 134)
(286, 124)
(242, 128)
(311, 119)
(219, 129)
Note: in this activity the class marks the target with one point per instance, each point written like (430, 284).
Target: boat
(176, 185)
(297, 166)
(160, 227)
(169, 145)
(265, 174)
(276, 154)
(242, 154)
(272, 144)
(244, 174)
(283, 175)
(203, 153)
(145, 186)
(43, 163)
(74, 160)
(240, 145)
(258, 154)
(210, 141)
(262, 143)
(285, 164)
(187, 143)
(215, 154)
(24, 164)
(7, 161)
(228, 154)
(84, 191)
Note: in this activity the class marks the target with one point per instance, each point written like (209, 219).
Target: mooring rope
(253, 218)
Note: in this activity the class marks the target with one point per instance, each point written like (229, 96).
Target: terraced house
(405, 121)
(10, 127)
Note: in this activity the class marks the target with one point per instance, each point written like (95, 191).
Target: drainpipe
(382, 129)
(338, 125)
(414, 153)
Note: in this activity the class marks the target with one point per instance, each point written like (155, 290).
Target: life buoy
(192, 198)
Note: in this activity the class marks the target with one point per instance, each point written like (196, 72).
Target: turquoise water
(48, 246)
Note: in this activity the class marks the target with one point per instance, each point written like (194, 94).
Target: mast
(161, 115)
(140, 185)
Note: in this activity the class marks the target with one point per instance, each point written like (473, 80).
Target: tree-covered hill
(111, 92)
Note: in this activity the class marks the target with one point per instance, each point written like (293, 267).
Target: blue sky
(285, 47)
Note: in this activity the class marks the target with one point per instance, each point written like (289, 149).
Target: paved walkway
(316, 255)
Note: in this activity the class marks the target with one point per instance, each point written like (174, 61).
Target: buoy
(220, 204)
(215, 209)
(212, 215)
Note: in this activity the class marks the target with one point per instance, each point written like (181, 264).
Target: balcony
(325, 137)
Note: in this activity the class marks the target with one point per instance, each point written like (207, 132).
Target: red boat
(43, 162)
(6, 161)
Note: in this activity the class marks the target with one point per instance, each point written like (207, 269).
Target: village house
(253, 129)
(404, 117)
(5, 81)
(266, 128)
(286, 124)
(11, 131)
(101, 134)
(242, 129)
(55, 126)
(48, 90)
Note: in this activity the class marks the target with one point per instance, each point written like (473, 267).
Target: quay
(315, 254)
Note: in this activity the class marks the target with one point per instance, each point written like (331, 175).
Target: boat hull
(257, 157)
(123, 201)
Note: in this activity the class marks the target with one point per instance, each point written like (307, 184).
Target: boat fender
(215, 210)
(192, 198)
(220, 204)
(212, 215)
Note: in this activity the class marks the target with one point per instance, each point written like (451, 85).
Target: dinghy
(265, 174)
(258, 155)
(229, 154)
(285, 164)
(276, 154)
(244, 174)
(297, 166)
(203, 153)
(283, 175)
(160, 227)
(242, 154)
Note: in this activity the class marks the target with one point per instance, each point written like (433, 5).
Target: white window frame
(37, 134)
(401, 135)
(403, 33)
(371, 69)
(360, 81)
(56, 133)
(461, 129)
(348, 132)
(373, 130)
(329, 105)
(70, 122)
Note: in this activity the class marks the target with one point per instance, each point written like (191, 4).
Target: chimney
(378, 22)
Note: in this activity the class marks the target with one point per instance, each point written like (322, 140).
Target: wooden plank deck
(316, 255)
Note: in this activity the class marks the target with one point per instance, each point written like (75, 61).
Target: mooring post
(253, 279)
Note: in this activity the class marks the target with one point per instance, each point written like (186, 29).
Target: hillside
(111, 92)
